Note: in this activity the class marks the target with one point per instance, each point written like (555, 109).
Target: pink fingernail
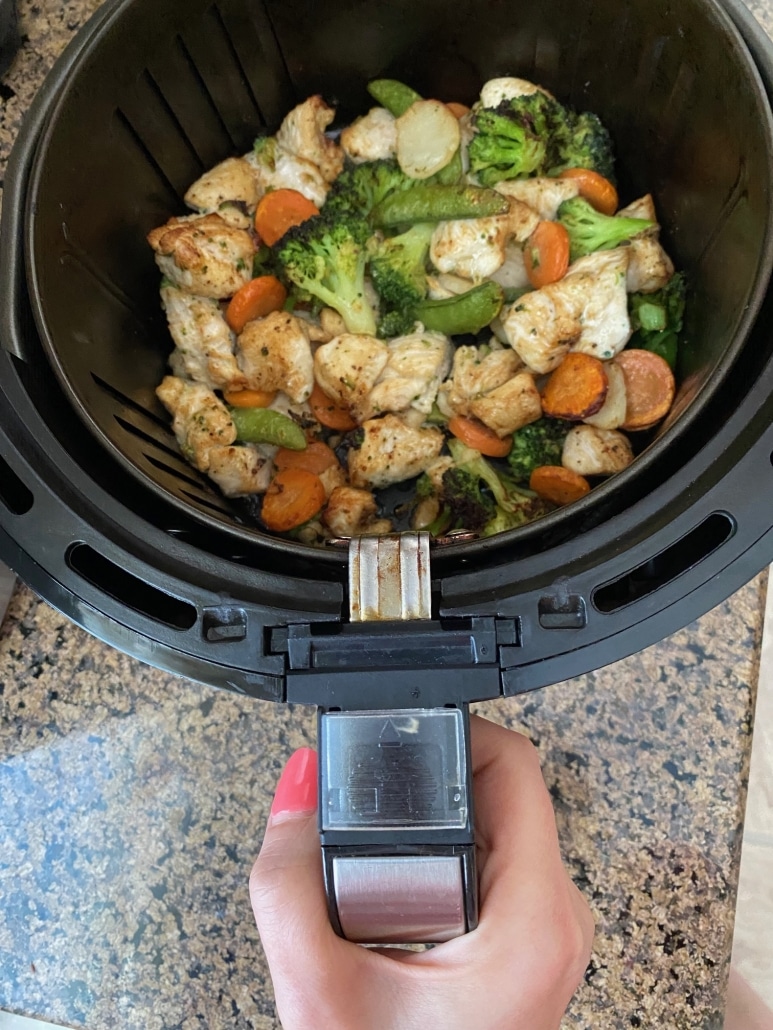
(296, 792)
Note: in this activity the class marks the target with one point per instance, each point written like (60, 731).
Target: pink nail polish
(296, 792)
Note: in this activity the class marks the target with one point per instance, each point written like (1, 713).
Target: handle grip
(396, 824)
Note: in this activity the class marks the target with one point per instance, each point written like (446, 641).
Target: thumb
(286, 885)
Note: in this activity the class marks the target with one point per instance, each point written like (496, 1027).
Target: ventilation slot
(13, 493)
(128, 590)
(654, 574)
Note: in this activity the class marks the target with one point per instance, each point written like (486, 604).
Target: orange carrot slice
(256, 299)
(249, 398)
(546, 254)
(598, 191)
(293, 497)
(649, 387)
(577, 388)
(279, 211)
(559, 485)
(328, 412)
(457, 110)
(477, 435)
(316, 458)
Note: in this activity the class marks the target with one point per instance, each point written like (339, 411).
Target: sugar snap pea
(453, 171)
(467, 313)
(262, 425)
(395, 96)
(438, 203)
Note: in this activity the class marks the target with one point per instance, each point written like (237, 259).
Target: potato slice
(428, 136)
(612, 414)
(596, 452)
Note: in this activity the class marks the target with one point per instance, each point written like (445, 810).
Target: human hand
(516, 971)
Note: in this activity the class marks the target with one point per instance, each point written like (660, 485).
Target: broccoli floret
(360, 187)
(511, 140)
(537, 135)
(396, 323)
(590, 231)
(539, 443)
(264, 148)
(512, 505)
(424, 488)
(468, 507)
(657, 318)
(326, 258)
(398, 266)
(585, 143)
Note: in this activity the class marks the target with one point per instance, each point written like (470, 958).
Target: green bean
(395, 96)
(262, 425)
(438, 203)
(467, 313)
(453, 171)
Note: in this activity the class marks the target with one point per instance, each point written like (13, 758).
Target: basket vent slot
(655, 573)
(13, 493)
(129, 590)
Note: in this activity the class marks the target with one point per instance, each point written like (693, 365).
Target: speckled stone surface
(132, 803)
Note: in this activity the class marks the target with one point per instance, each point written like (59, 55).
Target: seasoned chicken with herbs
(444, 299)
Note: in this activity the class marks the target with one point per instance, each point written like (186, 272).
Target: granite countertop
(133, 802)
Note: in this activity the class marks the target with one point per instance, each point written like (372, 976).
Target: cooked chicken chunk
(277, 169)
(476, 371)
(541, 327)
(372, 137)
(416, 366)
(332, 477)
(348, 367)
(505, 88)
(203, 339)
(596, 287)
(203, 255)
(200, 420)
(231, 189)
(303, 133)
(510, 406)
(513, 275)
(240, 470)
(475, 248)
(596, 452)
(649, 267)
(444, 285)
(275, 354)
(542, 194)
(391, 451)
(353, 512)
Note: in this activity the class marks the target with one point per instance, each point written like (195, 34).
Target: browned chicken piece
(476, 248)
(392, 451)
(303, 133)
(203, 339)
(348, 367)
(372, 137)
(275, 354)
(353, 512)
(417, 365)
(541, 327)
(510, 406)
(543, 194)
(332, 477)
(596, 452)
(240, 470)
(200, 420)
(476, 371)
(230, 189)
(203, 255)
(649, 267)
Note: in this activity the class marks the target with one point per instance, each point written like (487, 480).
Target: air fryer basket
(99, 512)
(163, 96)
